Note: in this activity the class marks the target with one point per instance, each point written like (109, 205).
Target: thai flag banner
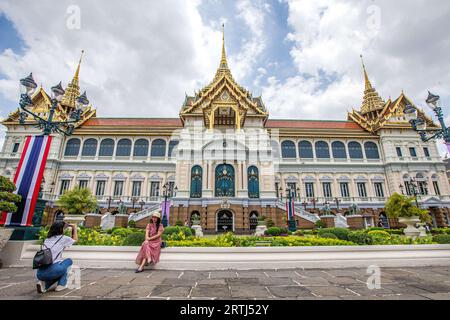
(290, 209)
(28, 180)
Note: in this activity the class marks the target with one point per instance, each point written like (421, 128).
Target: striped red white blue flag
(290, 209)
(28, 180)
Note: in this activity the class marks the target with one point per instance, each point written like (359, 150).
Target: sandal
(139, 271)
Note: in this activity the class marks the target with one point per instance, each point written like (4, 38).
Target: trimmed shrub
(179, 223)
(320, 224)
(340, 233)
(380, 236)
(132, 224)
(134, 239)
(440, 231)
(442, 239)
(122, 232)
(270, 223)
(299, 233)
(275, 231)
(328, 235)
(360, 237)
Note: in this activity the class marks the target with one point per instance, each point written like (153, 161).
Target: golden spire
(372, 100)
(223, 60)
(366, 76)
(73, 89)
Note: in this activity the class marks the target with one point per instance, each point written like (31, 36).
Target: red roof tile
(302, 124)
(174, 122)
(145, 122)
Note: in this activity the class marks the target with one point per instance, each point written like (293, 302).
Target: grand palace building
(225, 160)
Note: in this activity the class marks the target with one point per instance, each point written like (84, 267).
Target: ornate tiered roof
(41, 104)
(222, 92)
(375, 114)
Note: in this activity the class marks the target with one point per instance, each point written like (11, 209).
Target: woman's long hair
(57, 229)
(157, 225)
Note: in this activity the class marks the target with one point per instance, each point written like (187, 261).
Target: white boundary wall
(20, 254)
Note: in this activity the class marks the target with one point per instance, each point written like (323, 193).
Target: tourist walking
(151, 248)
(54, 276)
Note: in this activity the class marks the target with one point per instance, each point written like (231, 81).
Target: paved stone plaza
(396, 284)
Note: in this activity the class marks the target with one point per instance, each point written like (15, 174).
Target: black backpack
(43, 258)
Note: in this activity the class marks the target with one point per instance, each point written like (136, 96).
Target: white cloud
(140, 59)
(404, 45)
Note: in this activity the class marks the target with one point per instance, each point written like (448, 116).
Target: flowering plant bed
(183, 237)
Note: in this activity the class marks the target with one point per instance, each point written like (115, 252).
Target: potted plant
(261, 221)
(8, 201)
(195, 220)
(403, 208)
(262, 227)
(77, 203)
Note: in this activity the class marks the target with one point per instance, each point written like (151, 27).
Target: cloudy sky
(302, 56)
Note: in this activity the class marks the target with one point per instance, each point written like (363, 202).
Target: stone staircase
(108, 221)
(144, 213)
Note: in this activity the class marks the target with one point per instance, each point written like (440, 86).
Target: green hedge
(340, 233)
(442, 238)
(134, 239)
(275, 231)
(360, 237)
(328, 235)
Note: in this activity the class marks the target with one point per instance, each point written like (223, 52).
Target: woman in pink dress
(151, 248)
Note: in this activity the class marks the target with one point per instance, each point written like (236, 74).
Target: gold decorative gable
(41, 105)
(225, 98)
(391, 116)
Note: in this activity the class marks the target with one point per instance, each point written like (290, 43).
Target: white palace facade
(225, 160)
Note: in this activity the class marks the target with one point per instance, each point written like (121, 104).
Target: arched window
(89, 148)
(253, 182)
(158, 148)
(73, 148)
(225, 181)
(306, 150)
(322, 150)
(124, 148)
(371, 150)
(339, 150)
(141, 148)
(288, 150)
(106, 148)
(196, 182)
(355, 150)
(172, 148)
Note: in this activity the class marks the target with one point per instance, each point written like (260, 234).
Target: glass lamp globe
(410, 112)
(28, 85)
(421, 125)
(433, 101)
(58, 92)
(82, 101)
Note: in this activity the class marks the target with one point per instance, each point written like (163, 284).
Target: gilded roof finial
(77, 73)
(372, 100)
(366, 76)
(73, 89)
(223, 60)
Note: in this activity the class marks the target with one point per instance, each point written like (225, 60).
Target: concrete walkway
(396, 284)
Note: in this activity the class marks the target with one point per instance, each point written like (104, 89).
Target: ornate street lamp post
(290, 196)
(337, 203)
(166, 191)
(142, 204)
(38, 147)
(419, 124)
(49, 126)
